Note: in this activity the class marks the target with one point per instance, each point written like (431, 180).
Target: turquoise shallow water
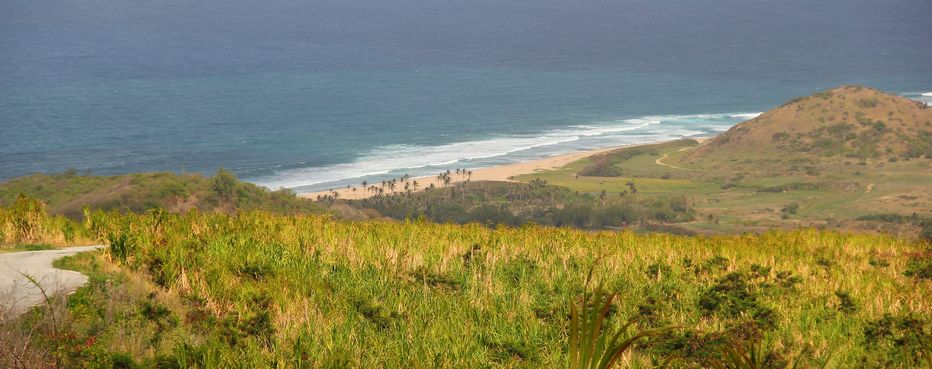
(314, 95)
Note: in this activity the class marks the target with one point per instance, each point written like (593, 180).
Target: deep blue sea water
(320, 93)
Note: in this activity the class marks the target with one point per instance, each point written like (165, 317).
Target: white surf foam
(397, 159)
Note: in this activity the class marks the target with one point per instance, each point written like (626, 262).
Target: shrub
(224, 184)
(919, 267)
(846, 303)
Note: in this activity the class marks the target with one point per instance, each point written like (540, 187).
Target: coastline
(496, 173)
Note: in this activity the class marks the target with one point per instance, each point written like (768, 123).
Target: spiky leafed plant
(738, 355)
(591, 345)
(750, 355)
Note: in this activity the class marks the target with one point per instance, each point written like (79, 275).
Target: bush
(224, 184)
(790, 209)
(920, 267)
(781, 136)
(601, 168)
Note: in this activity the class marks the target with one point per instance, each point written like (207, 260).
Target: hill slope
(68, 193)
(844, 123)
(847, 158)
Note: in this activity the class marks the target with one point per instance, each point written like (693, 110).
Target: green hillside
(69, 193)
(850, 158)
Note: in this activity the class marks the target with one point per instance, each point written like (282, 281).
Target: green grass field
(256, 290)
(753, 201)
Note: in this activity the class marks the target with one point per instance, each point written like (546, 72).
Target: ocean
(318, 94)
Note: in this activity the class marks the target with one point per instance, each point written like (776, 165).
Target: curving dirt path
(18, 294)
(659, 160)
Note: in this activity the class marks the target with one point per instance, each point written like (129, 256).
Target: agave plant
(591, 346)
(739, 355)
(750, 355)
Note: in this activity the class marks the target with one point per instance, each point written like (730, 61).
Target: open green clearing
(835, 197)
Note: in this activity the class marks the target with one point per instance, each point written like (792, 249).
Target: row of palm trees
(392, 186)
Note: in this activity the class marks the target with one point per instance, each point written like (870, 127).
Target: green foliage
(27, 216)
(35, 247)
(846, 303)
(867, 103)
(601, 168)
(896, 340)
(892, 218)
(741, 355)
(26, 223)
(795, 186)
(790, 209)
(255, 289)
(515, 204)
(591, 345)
(68, 194)
(736, 295)
(920, 266)
(605, 165)
(224, 184)
(926, 232)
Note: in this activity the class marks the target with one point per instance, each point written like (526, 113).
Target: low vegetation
(515, 204)
(70, 192)
(255, 289)
(606, 165)
(25, 224)
(846, 123)
(830, 161)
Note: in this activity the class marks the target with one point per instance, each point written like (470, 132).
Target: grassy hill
(69, 193)
(851, 158)
(844, 123)
(257, 290)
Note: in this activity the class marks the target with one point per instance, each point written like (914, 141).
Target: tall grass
(255, 289)
(25, 221)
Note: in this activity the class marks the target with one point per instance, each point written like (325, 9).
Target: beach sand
(498, 173)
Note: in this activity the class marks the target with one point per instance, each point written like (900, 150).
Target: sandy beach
(498, 173)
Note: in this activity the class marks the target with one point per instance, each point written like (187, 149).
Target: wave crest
(394, 160)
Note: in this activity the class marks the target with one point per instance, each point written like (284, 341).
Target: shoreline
(503, 173)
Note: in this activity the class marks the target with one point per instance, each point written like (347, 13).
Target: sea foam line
(396, 158)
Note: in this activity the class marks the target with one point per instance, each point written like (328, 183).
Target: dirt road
(18, 294)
